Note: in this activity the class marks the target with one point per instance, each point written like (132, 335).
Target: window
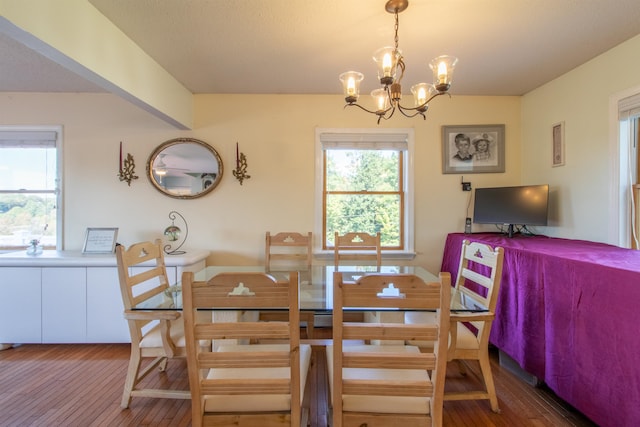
(364, 183)
(29, 187)
(625, 174)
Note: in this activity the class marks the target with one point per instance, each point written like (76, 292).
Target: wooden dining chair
(154, 334)
(388, 385)
(290, 251)
(245, 384)
(287, 249)
(479, 277)
(355, 246)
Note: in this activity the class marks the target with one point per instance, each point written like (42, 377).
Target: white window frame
(29, 132)
(367, 136)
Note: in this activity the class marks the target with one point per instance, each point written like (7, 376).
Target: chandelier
(390, 72)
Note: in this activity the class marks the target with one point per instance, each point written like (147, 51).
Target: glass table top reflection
(316, 286)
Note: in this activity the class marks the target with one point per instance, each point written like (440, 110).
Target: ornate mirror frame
(184, 168)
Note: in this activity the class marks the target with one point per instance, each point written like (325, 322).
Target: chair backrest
(391, 291)
(247, 290)
(479, 276)
(288, 249)
(357, 246)
(139, 283)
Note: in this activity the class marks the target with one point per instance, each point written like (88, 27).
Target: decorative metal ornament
(240, 171)
(126, 169)
(173, 234)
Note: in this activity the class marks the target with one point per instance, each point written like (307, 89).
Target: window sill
(386, 255)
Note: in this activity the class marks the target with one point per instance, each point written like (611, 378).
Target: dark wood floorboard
(81, 385)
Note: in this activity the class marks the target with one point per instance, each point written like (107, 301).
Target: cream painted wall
(276, 132)
(580, 191)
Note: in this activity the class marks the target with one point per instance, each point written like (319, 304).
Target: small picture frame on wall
(100, 241)
(473, 149)
(557, 147)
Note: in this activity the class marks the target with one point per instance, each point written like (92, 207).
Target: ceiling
(505, 47)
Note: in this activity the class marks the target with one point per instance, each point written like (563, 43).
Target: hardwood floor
(81, 385)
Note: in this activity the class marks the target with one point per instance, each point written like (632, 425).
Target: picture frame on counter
(100, 240)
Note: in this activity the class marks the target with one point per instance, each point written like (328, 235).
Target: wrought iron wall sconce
(240, 172)
(173, 234)
(126, 169)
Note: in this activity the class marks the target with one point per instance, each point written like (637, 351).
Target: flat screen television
(512, 206)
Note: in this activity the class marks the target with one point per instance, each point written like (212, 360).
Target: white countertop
(78, 259)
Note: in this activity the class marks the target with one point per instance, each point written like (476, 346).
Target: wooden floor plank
(81, 385)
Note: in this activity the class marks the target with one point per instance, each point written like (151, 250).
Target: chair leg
(310, 325)
(163, 364)
(132, 375)
(485, 367)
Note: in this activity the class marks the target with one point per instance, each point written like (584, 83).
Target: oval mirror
(184, 168)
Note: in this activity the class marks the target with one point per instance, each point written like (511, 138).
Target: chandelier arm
(355, 104)
(419, 107)
(393, 110)
(415, 112)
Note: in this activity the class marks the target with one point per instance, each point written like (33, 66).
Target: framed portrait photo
(473, 149)
(100, 241)
(557, 141)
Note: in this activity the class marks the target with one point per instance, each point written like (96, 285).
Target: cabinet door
(64, 305)
(105, 319)
(20, 305)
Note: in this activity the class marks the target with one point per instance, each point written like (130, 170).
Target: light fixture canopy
(390, 65)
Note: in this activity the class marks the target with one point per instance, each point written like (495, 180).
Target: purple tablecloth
(568, 313)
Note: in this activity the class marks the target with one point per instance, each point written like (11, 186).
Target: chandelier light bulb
(351, 85)
(442, 73)
(386, 65)
(442, 68)
(422, 96)
(422, 93)
(381, 100)
(386, 59)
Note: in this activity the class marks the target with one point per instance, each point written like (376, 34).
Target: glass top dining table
(316, 286)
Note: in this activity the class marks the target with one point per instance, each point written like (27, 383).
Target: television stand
(511, 230)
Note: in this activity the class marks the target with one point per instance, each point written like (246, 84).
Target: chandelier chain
(396, 30)
(400, 63)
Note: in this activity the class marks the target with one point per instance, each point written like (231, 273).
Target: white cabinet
(66, 297)
(195, 267)
(64, 305)
(105, 319)
(20, 305)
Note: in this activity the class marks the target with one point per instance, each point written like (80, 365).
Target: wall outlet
(466, 186)
(467, 226)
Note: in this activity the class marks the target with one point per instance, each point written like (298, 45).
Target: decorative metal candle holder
(126, 171)
(240, 171)
(173, 234)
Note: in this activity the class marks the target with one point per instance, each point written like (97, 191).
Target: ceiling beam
(74, 34)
